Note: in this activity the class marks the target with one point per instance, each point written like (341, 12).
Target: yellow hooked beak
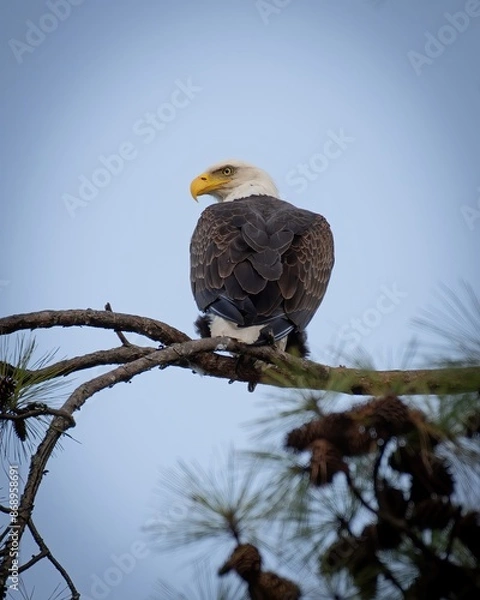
(206, 183)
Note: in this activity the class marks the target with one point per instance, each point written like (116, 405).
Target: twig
(453, 533)
(54, 412)
(376, 466)
(36, 558)
(387, 573)
(44, 549)
(358, 495)
(384, 568)
(120, 335)
(397, 523)
(4, 533)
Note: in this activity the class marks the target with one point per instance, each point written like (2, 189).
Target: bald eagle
(259, 266)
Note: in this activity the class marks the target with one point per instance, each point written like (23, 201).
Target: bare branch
(155, 330)
(45, 552)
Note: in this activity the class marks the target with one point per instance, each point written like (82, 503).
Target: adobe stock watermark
(359, 327)
(318, 163)
(36, 33)
(123, 564)
(12, 534)
(447, 34)
(101, 585)
(267, 8)
(162, 525)
(3, 284)
(145, 129)
(471, 214)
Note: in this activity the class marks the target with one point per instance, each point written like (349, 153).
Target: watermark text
(36, 33)
(304, 173)
(436, 43)
(13, 501)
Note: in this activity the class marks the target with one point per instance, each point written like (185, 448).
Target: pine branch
(266, 365)
(62, 368)
(63, 421)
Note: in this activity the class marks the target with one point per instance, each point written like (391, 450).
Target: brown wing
(308, 264)
(259, 259)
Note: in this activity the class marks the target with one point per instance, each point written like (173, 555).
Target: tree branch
(45, 319)
(280, 369)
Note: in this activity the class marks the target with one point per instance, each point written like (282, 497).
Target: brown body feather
(258, 259)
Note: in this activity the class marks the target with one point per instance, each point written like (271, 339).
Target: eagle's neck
(253, 188)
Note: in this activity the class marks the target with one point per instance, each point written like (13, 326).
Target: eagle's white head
(233, 179)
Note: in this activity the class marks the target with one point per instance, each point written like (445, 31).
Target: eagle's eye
(227, 171)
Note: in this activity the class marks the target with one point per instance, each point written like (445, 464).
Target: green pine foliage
(373, 498)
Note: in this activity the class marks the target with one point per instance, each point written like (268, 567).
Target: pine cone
(7, 389)
(472, 424)
(351, 552)
(245, 560)
(388, 416)
(325, 462)
(380, 536)
(442, 579)
(432, 513)
(364, 566)
(20, 428)
(270, 586)
(391, 500)
(433, 478)
(426, 434)
(366, 581)
(355, 432)
(330, 427)
(468, 532)
(430, 473)
(347, 434)
(358, 440)
(401, 460)
(388, 537)
(339, 554)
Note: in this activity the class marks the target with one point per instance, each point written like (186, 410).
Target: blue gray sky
(364, 111)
